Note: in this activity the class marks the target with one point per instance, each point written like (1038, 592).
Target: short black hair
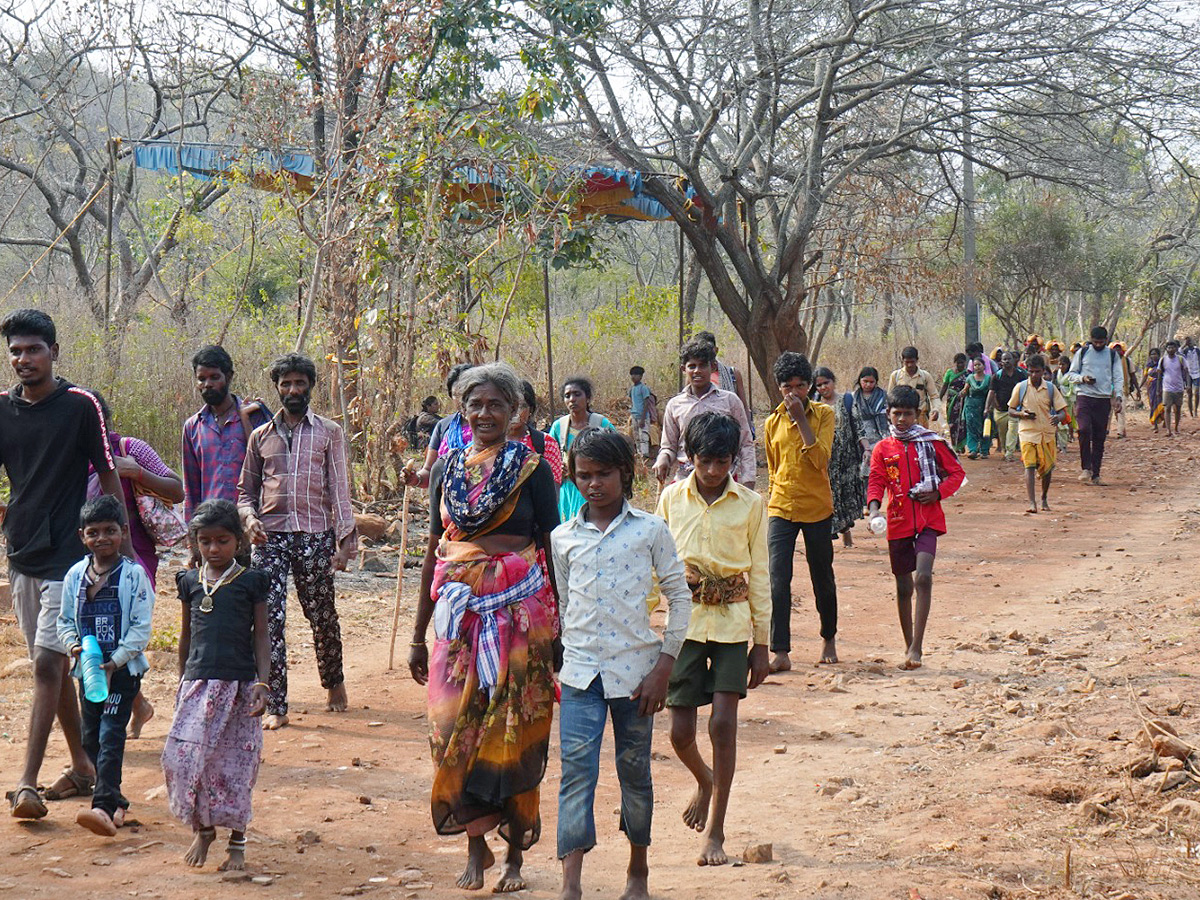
(581, 382)
(712, 434)
(974, 347)
(792, 365)
(705, 336)
(294, 362)
(1154, 350)
(428, 403)
(454, 374)
(529, 395)
(29, 323)
(1036, 361)
(823, 372)
(217, 514)
(904, 397)
(960, 357)
(1099, 333)
(637, 370)
(1172, 343)
(698, 349)
(105, 508)
(910, 353)
(865, 372)
(213, 356)
(606, 447)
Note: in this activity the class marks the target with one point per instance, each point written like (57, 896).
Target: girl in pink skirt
(213, 749)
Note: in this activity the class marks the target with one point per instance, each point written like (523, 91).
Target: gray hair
(500, 375)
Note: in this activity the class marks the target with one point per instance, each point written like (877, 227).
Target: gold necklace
(231, 571)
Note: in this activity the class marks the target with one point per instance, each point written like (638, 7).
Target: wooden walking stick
(399, 578)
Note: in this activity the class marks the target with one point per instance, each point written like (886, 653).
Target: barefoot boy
(108, 596)
(720, 530)
(1037, 405)
(916, 469)
(605, 560)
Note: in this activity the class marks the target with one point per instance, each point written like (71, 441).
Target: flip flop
(70, 784)
(25, 803)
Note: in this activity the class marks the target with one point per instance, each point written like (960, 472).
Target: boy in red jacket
(917, 470)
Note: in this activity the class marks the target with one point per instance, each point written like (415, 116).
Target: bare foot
(119, 816)
(143, 712)
(571, 893)
(636, 888)
(828, 653)
(97, 821)
(780, 662)
(696, 814)
(847, 541)
(235, 856)
(510, 880)
(198, 852)
(479, 860)
(713, 851)
(1032, 509)
(912, 661)
(337, 699)
(1045, 506)
(274, 723)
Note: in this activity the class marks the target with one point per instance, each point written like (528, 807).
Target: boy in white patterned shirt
(605, 560)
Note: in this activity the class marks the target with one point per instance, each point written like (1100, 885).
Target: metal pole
(550, 393)
(112, 177)
(970, 295)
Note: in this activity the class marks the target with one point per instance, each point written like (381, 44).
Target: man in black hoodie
(49, 431)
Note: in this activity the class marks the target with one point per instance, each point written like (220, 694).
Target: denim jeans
(818, 551)
(104, 738)
(580, 731)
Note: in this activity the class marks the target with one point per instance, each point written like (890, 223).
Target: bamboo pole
(399, 578)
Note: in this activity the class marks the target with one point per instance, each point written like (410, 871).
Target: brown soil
(1052, 637)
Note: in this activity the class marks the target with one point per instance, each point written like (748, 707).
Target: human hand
(341, 557)
(927, 498)
(661, 469)
(1088, 379)
(934, 416)
(412, 477)
(651, 694)
(418, 662)
(795, 404)
(255, 531)
(127, 467)
(759, 665)
(258, 699)
(76, 651)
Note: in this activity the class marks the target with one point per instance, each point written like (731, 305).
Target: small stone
(1032, 650)
(1094, 811)
(236, 877)
(1143, 765)
(56, 872)
(378, 879)
(1171, 764)
(263, 879)
(1170, 781)
(1188, 809)
(959, 683)
(156, 793)
(371, 526)
(1015, 635)
(1167, 745)
(309, 837)
(364, 800)
(758, 853)
(18, 667)
(839, 685)
(101, 861)
(780, 749)
(375, 724)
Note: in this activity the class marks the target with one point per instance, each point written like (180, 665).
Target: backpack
(1023, 388)
(409, 430)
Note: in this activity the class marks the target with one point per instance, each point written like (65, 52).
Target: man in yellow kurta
(799, 438)
(720, 533)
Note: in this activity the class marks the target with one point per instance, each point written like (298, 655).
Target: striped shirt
(212, 454)
(298, 485)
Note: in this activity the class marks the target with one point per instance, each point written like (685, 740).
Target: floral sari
(489, 725)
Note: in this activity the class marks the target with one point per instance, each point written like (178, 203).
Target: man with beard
(294, 496)
(214, 439)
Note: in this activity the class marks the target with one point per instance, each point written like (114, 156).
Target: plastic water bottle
(95, 682)
(878, 524)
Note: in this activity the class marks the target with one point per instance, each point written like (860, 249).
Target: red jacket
(895, 469)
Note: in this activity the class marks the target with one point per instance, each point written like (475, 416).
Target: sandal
(25, 803)
(70, 784)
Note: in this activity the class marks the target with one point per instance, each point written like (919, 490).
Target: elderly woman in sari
(490, 672)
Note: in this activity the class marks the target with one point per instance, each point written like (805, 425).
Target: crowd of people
(539, 576)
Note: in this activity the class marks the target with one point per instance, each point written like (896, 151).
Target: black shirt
(536, 510)
(222, 645)
(45, 448)
(1003, 386)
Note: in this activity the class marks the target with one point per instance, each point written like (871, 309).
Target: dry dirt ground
(1053, 638)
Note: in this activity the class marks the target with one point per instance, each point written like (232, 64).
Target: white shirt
(604, 580)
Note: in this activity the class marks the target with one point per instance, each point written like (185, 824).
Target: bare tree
(767, 110)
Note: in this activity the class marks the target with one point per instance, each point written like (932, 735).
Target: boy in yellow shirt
(720, 531)
(1037, 405)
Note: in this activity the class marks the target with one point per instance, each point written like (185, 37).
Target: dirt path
(964, 780)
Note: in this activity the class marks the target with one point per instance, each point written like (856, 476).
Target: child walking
(107, 597)
(605, 560)
(212, 752)
(917, 470)
(1038, 408)
(720, 529)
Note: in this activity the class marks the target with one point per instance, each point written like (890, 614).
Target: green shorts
(705, 667)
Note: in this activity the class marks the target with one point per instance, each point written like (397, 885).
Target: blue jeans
(580, 731)
(104, 738)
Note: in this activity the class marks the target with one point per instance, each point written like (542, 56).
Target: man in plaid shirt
(214, 439)
(294, 496)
